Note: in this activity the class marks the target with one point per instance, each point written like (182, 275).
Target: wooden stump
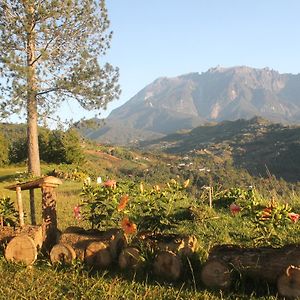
(216, 274)
(167, 265)
(21, 249)
(62, 253)
(130, 258)
(97, 254)
(288, 283)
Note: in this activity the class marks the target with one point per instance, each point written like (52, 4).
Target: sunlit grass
(42, 281)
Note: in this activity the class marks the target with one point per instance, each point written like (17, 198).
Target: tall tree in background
(49, 53)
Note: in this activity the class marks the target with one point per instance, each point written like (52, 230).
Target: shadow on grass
(188, 284)
(9, 177)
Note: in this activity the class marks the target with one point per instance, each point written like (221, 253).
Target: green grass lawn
(44, 281)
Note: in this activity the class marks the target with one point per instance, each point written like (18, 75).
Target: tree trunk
(263, 263)
(32, 113)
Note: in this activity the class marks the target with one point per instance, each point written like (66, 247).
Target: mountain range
(169, 105)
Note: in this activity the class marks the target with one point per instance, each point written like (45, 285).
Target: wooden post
(32, 207)
(20, 206)
(49, 216)
(210, 196)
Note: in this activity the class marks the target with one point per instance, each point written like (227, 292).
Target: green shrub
(149, 208)
(8, 213)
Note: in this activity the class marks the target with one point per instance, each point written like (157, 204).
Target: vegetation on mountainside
(255, 145)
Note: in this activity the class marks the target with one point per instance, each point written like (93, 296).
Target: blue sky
(155, 38)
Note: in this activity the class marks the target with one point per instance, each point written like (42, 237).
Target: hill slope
(256, 145)
(184, 102)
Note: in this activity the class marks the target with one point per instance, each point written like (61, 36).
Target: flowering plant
(134, 206)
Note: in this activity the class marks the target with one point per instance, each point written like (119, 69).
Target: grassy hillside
(255, 145)
(212, 226)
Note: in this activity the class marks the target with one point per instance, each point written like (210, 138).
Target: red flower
(294, 217)
(123, 201)
(110, 183)
(128, 226)
(77, 213)
(266, 213)
(234, 208)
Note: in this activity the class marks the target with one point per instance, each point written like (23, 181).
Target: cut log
(130, 258)
(179, 244)
(113, 239)
(62, 253)
(35, 232)
(167, 265)
(263, 263)
(21, 249)
(97, 254)
(288, 283)
(216, 274)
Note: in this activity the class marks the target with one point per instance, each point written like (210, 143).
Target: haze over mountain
(171, 104)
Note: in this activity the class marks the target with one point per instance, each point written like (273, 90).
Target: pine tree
(49, 53)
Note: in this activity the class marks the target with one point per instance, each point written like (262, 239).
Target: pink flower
(294, 217)
(77, 213)
(110, 183)
(234, 208)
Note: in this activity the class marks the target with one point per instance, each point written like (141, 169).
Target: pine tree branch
(41, 54)
(47, 91)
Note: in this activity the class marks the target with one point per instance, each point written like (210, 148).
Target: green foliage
(55, 147)
(71, 70)
(62, 147)
(8, 213)
(234, 195)
(159, 209)
(69, 173)
(269, 220)
(155, 209)
(100, 204)
(18, 150)
(4, 154)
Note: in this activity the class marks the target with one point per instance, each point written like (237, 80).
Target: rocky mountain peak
(189, 100)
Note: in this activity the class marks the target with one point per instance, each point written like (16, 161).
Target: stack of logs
(96, 248)
(278, 266)
(168, 253)
(101, 248)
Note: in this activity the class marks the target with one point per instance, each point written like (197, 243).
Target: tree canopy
(50, 52)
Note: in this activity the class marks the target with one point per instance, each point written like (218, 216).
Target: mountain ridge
(170, 104)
